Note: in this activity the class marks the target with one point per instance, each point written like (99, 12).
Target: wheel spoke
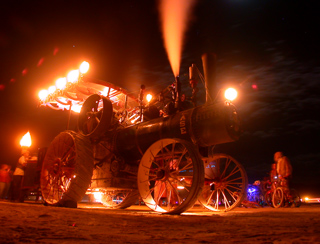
(226, 202)
(210, 197)
(234, 171)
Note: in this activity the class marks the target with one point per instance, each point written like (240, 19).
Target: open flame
(26, 140)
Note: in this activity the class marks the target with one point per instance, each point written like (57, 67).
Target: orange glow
(230, 94)
(55, 51)
(43, 95)
(97, 196)
(105, 91)
(73, 76)
(61, 83)
(149, 97)
(174, 17)
(40, 62)
(26, 140)
(76, 108)
(24, 72)
(84, 67)
(52, 89)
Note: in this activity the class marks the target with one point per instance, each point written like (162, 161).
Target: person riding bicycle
(284, 170)
(273, 176)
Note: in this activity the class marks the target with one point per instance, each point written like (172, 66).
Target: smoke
(174, 18)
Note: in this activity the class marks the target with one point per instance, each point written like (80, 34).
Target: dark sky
(270, 45)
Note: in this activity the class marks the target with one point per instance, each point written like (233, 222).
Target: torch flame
(26, 140)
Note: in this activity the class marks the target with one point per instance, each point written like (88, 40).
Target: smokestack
(209, 69)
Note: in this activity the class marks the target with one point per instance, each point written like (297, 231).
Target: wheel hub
(161, 173)
(219, 185)
(56, 166)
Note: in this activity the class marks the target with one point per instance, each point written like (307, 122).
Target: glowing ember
(26, 140)
(40, 62)
(174, 17)
(24, 72)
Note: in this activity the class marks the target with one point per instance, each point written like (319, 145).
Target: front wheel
(278, 198)
(170, 176)
(225, 183)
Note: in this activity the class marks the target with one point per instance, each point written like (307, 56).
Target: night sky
(269, 50)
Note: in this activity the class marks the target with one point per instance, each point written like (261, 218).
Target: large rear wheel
(66, 170)
(225, 183)
(170, 176)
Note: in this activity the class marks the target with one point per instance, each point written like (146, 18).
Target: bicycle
(270, 186)
(284, 197)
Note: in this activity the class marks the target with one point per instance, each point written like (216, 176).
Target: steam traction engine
(125, 149)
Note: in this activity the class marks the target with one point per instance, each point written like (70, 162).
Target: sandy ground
(35, 223)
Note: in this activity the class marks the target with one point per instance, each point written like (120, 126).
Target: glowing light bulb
(52, 89)
(84, 67)
(73, 76)
(43, 94)
(230, 94)
(149, 97)
(61, 83)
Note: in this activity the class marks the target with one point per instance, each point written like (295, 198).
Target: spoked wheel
(268, 198)
(170, 176)
(278, 198)
(120, 199)
(295, 199)
(95, 116)
(225, 183)
(66, 170)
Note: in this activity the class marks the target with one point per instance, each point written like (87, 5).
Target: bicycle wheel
(268, 198)
(295, 199)
(278, 198)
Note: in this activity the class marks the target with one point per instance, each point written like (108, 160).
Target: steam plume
(174, 18)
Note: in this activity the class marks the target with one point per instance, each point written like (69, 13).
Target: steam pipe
(178, 93)
(209, 70)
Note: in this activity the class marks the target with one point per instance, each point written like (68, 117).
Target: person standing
(284, 169)
(17, 194)
(5, 180)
